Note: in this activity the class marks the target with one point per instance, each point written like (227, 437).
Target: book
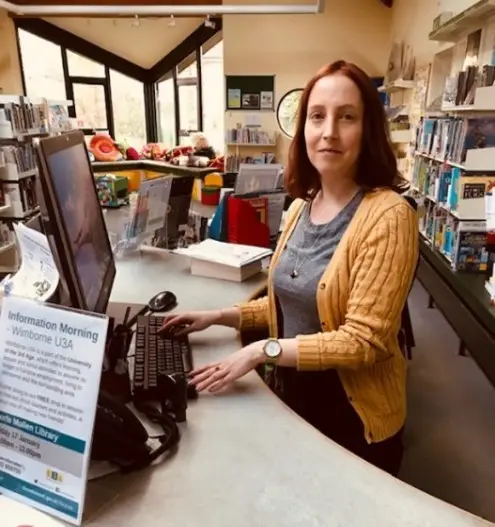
(225, 261)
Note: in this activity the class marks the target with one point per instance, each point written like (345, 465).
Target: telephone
(119, 436)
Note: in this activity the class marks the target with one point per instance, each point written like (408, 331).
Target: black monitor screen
(73, 185)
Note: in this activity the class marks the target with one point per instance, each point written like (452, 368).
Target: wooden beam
(188, 46)
(64, 38)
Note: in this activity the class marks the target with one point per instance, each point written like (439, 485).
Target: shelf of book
(471, 18)
(21, 121)
(397, 85)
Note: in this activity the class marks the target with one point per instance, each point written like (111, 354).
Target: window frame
(202, 38)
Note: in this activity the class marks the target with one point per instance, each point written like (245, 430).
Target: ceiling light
(136, 22)
(209, 22)
(171, 21)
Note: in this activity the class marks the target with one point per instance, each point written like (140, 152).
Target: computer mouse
(163, 301)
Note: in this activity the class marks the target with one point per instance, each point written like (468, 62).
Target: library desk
(245, 459)
(464, 302)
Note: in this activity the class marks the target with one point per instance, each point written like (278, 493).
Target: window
(89, 102)
(43, 78)
(128, 110)
(166, 113)
(188, 94)
(188, 68)
(80, 66)
(213, 90)
(287, 111)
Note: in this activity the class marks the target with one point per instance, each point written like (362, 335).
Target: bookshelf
(455, 27)
(396, 86)
(249, 144)
(454, 145)
(22, 122)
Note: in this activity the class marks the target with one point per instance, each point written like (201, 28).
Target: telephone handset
(119, 436)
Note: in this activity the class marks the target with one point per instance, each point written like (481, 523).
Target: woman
(338, 279)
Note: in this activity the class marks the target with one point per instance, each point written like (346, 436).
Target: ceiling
(116, 2)
(144, 44)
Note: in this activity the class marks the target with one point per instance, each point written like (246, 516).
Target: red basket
(210, 195)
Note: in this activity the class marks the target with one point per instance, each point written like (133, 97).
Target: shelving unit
(454, 151)
(22, 122)
(472, 17)
(397, 85)
(249, 144)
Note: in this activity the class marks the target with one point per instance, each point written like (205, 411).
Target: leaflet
(50, 367)
(37, 277)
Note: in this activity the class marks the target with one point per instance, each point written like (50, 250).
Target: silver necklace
(295, 271)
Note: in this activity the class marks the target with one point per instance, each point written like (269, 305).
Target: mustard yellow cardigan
(360, 298)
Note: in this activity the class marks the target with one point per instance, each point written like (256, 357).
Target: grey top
(301, 265)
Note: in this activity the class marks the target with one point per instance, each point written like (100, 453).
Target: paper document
(37, 277)
(50, 370)
(223, 253)
(15, 514)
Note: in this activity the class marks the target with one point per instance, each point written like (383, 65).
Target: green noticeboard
(250, 92)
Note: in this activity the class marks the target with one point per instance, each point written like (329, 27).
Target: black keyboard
(161, 367)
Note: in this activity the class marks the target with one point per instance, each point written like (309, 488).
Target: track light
(136, 22)
(209, 22)
(171, 21)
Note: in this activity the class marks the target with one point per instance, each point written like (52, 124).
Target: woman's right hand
(184, 323)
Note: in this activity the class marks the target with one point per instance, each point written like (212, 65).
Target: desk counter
(245, 459)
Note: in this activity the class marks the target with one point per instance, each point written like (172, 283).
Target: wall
(294, 47)
(10, 71)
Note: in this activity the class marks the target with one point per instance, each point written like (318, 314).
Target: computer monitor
(74, 221)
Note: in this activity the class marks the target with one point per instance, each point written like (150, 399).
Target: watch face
(272, 349)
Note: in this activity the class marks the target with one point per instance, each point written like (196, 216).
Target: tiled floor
(450, 433)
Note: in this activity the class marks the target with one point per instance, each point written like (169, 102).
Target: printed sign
(50, 367)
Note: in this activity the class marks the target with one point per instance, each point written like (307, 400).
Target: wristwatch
(272, 350)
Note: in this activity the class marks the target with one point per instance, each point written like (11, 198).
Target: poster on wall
(250, 101)
(250, 92)
(234, 98)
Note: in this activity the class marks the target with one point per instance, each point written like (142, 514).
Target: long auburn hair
(377, 166)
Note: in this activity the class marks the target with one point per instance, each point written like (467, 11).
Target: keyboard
(161, 367)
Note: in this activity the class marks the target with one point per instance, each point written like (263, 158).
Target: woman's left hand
(214, 377)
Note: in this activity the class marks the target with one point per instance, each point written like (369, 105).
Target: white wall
(10, 71)
(294, 47)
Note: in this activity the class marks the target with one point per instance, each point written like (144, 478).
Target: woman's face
(334, 126)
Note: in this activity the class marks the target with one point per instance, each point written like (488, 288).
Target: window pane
(128, 110)
(188, 68)
(89, 102)
(166, 113)
(188, 109)
(44, 78)
(83, 67)
(213, 85)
